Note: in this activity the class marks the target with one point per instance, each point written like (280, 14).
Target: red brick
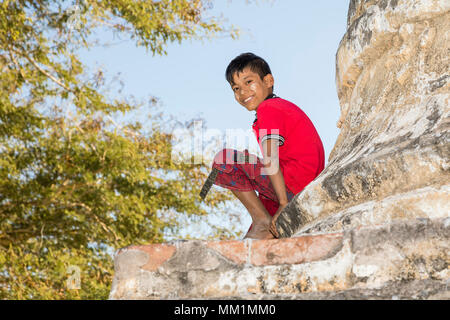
(294, 250)
(158, 254)
(234, 250)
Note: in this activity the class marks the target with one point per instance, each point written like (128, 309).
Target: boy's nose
(243, 91)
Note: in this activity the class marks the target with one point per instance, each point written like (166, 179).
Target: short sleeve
(271, 124)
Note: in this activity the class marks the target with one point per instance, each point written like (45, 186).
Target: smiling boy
(293, 153)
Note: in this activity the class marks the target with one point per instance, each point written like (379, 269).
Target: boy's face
(249, 89)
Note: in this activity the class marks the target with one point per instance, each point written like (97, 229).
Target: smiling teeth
(247, 99)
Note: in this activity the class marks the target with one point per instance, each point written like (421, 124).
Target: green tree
(74, 184)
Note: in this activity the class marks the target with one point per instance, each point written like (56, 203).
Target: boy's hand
(273, 226)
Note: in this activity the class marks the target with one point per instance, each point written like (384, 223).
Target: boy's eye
(235, 89)
(249, 81)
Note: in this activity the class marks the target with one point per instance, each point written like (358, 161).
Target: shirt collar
(270, 96)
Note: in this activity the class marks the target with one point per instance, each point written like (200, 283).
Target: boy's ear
(268, 80)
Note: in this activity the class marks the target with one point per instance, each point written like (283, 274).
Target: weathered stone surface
(236, 251)
(390, 160)
(376, 262)
(406, 290)
(157, 254)
(425, 202)
(274, 252)
(185, 268)
(295, 250)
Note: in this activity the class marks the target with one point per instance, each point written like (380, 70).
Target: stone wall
(404, 260)
(375, 224)
(390, 160)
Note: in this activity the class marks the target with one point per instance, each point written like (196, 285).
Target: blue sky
(298, 39)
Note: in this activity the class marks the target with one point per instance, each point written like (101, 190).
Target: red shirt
(301, 153)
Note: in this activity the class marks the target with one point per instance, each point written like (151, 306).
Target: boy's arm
(272, 169)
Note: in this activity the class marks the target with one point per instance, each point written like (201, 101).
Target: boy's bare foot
(259, 231)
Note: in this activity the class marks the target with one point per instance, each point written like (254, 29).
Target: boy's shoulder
(277, 104)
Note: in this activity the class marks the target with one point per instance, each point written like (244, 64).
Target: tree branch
(47, 74)
(19, 69)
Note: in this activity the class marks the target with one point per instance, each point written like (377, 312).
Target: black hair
(255, 63)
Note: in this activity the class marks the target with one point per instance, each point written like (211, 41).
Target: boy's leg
(260, 217)
(243, 180)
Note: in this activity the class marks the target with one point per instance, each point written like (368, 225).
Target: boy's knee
(223, 160)
(231, 157)
(225, 156)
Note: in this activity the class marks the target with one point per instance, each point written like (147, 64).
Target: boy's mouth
(248, 99)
